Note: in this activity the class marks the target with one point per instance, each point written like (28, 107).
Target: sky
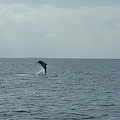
(60, 28)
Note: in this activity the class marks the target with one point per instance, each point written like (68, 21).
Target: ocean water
(72, 89)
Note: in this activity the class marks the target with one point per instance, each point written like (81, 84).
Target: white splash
(41, 70)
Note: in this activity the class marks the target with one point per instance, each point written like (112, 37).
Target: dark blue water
(73, 89)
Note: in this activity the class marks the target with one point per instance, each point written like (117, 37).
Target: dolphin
(43, 65)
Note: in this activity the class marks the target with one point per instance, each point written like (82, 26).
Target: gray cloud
(49, 31)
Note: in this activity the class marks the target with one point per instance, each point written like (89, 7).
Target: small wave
(108, 105)
(94, 117)
(40, 74)
(21, 74)
(71, 119)
(24, 75)
(90, 117)
(21, 111)
(54, 76)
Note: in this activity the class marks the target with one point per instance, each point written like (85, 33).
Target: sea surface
(72, 89)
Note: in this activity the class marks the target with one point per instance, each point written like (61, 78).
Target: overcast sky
(60, 28)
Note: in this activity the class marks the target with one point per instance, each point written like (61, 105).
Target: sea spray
(40, 70)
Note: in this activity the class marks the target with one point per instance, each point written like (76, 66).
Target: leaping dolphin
(43, 65)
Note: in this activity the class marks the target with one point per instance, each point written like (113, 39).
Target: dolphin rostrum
(43, 65)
